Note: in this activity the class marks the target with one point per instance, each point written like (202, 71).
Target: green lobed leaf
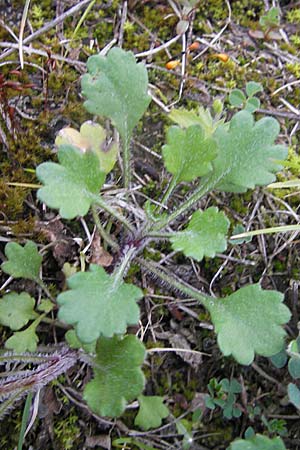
(238, 229)
(187, 154)
(118, 377)
(258, 442)
(271, 19)
(98, 306)
(23, 262)
(91, 137)
(252, 88)
(279, 359)
(45, 306)
(248, 322)
(247, 156)
(186, 118)
(252, 104)
(294, 395)
(16, 310)
(23, 341)
(204, 236)
(294, 367)
(152, 411)
(116, 87)
(237, 97)
(71, 185)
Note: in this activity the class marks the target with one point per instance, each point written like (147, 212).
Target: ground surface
(30, 118)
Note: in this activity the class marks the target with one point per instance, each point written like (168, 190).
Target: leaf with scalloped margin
(97, 305)
(188, 154)
(16, 310)
(204, 236)
(248, 322)
(91, 137)
(152, 411)
(23, 262)
(23, 341)
(258, 442)
(247, 156)
(118, 377)
(71, 185)
(116, 87)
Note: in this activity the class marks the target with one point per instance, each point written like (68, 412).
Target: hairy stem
(207, 185)
(176, 283)
(120, 271)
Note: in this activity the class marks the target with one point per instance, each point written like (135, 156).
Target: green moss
(294, 68)
(293, 16)
(67, 431)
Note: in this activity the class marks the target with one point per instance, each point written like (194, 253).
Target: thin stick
(46, 27)
(282, 229)
(158, 49)
(21, 33)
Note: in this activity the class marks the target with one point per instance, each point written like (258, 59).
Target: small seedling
(249, 102)
(223, 395)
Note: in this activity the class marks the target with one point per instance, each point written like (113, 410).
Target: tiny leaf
(23, 341)
(253, 88)
(186, 118)
(97, 306)
(71, 185)
(204, 236)
(252, 104)
(294, 395)
(258, 442)
(152, 411)
(237, 97)
(45, 306)
(118, 377)
(23, 262)
(247, 156)
(294, 367)
(238, 229)
(248, 322)
(92, 137)
(279, 359)
(116, 87)
(188, 154)
(16, 310)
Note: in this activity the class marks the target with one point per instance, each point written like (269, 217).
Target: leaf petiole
(100, 202)
(106, 237)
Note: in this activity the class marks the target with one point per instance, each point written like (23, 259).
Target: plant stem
(167, 194)
(105, 236)
(100, 202)
(161, 234)
(176, 283)
(185, 205)
(42, 285)
(126, 161)
(121, 269)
